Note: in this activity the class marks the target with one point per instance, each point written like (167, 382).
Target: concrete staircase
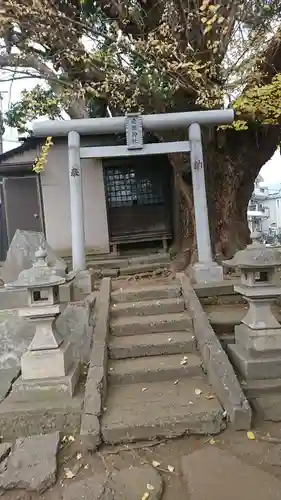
(156, 383)
(125, 265)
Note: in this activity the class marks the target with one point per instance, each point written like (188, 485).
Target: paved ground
(172, 461)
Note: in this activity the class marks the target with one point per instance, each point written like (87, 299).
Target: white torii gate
(205, 270)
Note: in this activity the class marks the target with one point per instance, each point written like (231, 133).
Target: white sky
(271, 171)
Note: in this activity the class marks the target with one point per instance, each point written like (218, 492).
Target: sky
(271, 171)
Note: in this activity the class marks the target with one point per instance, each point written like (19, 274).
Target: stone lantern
(48, 363)
(257, 350)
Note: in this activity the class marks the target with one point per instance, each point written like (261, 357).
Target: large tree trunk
(232, 162)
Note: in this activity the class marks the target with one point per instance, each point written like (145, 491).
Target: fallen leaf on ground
(150, 487)
(251, 435)
(210, 396)
(144, 389)
(86, 466)
(212, 441)
(79, 456)
(171, 468)
(156, 464)
(169, 339)
(69, 474)
(176, 382)
(198, 392)
(145, 496)
(184, 360)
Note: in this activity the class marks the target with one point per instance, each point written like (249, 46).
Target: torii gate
(205, 270)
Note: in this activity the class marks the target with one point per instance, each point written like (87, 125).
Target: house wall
(56, 199)
(274, 205)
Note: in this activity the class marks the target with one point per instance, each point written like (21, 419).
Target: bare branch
(75, 109)
(28, 62)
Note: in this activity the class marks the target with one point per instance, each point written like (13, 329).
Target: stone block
(96, 380)
(48, 363)
(32, 464)
(74, 325)
(27, 418)
(259, 342)
(146, 292)
(214, 474)
(154, 258)
(66, 291)
(83, 283)
(209, 272)
(143, 268)
(126, 484)
(216, 363)
(268, 407)
(21, 254)
(110, 273)
(46, 388)
(215, 289)
(254, 368)
(15, 337)
(90, 432)
(256, 388)
(99, 355)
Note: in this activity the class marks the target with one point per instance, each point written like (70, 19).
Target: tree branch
(145, 17)
(75, 109)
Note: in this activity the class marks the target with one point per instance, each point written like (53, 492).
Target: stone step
(134, 325)
(150, 258)
(148, 307)
(164, 410)
(256, 388)
(109, 263)
(143, 268)
(148, 292)
(135, 346)
(121, 262)
(154, 368)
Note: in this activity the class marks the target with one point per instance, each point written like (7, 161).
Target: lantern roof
(255, 256)
(40, 275)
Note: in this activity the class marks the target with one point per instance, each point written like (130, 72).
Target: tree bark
(233, 161)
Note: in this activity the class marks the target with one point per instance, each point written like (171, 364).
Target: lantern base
(207, 272)
(47, 363)
(46, 389)
(252, 368)
(259, 343)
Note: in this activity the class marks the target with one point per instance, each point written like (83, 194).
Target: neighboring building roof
(29, 143)
(274, 196)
